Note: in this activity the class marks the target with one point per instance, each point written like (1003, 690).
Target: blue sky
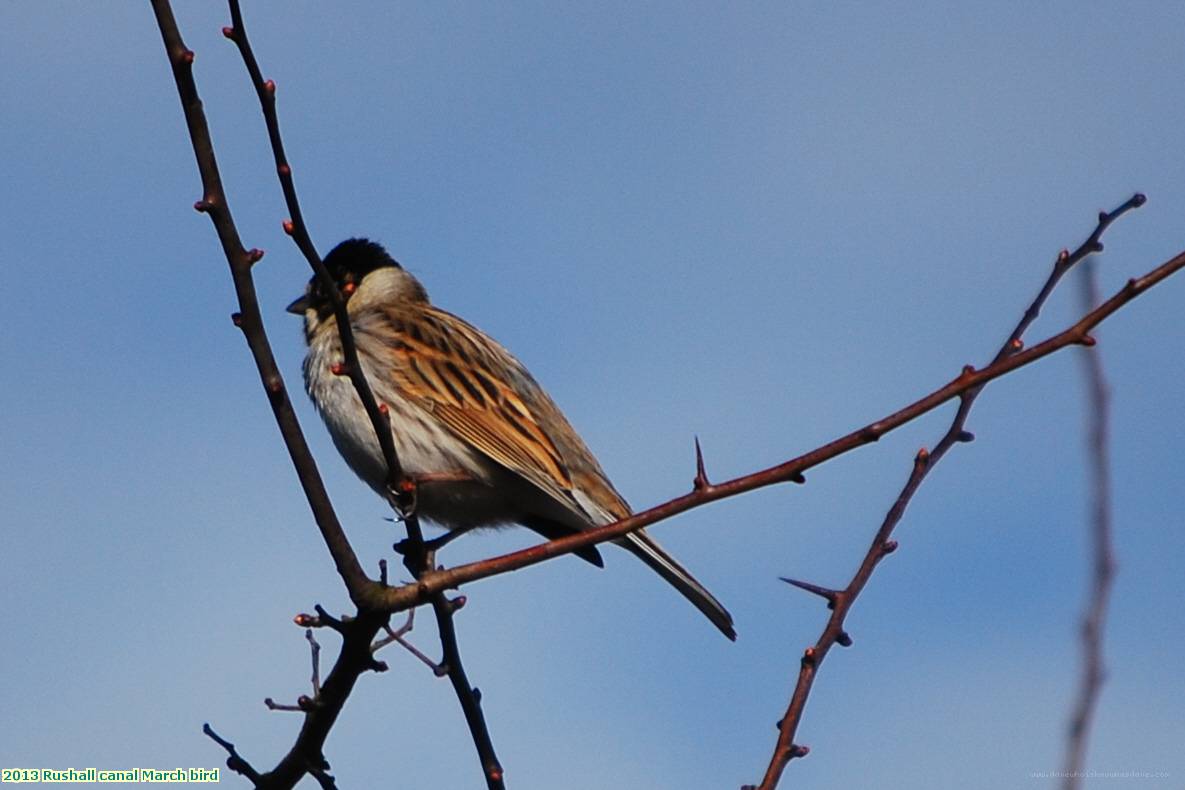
(762, 224)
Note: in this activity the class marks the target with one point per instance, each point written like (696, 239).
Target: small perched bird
(483, 441)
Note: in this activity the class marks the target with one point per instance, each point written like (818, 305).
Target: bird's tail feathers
(646, 549)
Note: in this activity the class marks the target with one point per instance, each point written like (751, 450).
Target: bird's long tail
(644, 548)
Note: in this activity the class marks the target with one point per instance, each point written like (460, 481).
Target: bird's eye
(348, 288)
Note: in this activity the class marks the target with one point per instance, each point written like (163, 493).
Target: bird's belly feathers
(425, 447)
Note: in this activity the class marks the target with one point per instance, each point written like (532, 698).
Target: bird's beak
(299, 306)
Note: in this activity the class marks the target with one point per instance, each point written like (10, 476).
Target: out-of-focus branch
(1102, 550)
(841, 601)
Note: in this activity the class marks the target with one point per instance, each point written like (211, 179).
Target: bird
(484, 443)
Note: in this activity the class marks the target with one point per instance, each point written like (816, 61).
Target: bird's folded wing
(459, 375)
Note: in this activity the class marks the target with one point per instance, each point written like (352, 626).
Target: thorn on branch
(701, 476)
(829, 595)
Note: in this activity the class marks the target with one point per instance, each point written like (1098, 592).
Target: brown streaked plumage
(468, 419)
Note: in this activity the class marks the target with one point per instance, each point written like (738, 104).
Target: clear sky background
(762, 224)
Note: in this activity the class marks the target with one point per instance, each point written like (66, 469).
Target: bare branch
(418, 558)
(248, 319)
(469, 696)
(296, 228)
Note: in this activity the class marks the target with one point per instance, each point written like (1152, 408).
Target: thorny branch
(1102, 551)
(841, 601)
(376, 601)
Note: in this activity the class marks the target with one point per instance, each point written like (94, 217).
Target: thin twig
(296, 228)
(417, 558)
(354, 659)
(438, 668)
(1102, 551)
(248, 319)
(469, 696)
(882, 545)
(307, 750)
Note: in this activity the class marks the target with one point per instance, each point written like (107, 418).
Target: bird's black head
(353, 259)
(347, 263)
